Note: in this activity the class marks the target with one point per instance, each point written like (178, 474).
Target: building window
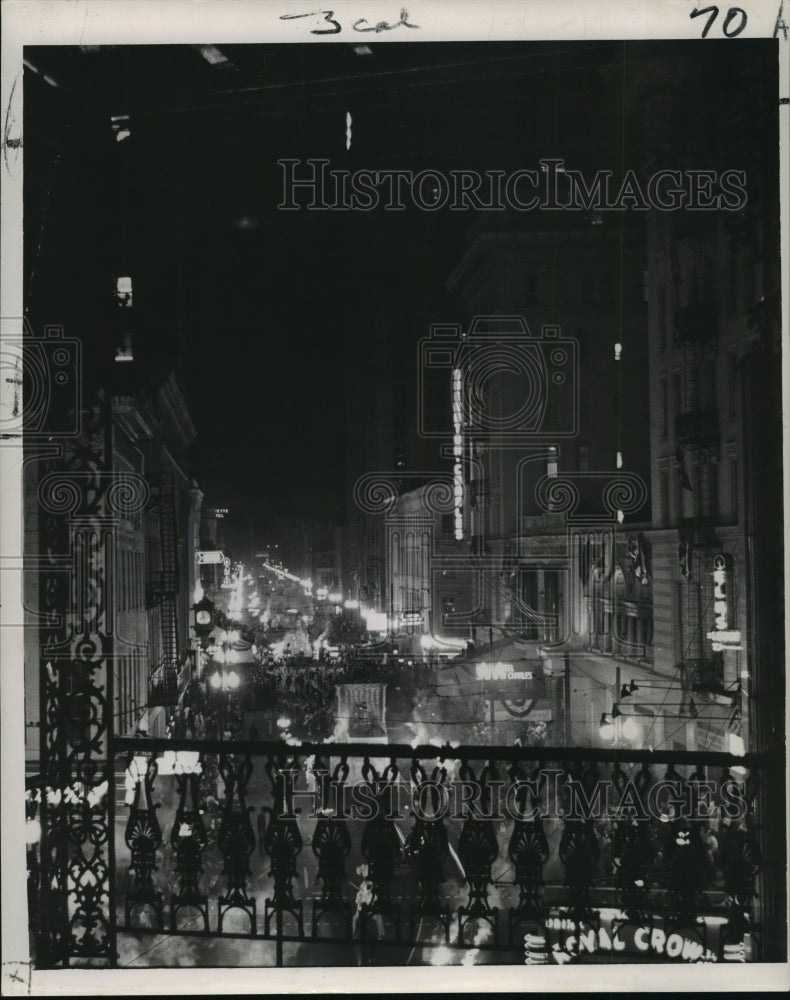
(662, 317)
(663, 417)
(447, 524)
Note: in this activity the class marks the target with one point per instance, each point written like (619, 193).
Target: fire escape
(163, 593)
(697, 451)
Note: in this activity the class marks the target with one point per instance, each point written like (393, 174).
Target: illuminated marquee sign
(411, 617)
(571, 942)
(375, 621)
(227, 582)
(723, 636)
(458, 450)
(501, 672)
(208, 557)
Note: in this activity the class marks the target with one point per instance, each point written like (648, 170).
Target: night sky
(266, 313)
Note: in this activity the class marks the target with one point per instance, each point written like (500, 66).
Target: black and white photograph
(393, 500)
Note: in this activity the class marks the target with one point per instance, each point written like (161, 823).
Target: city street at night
(399, 447)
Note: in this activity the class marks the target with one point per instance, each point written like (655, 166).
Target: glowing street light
(225, 680)
(616, 726)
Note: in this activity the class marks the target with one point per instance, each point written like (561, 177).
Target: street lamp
(616, 727)
(225, 681)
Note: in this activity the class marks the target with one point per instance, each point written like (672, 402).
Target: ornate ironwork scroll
(642, 855)
(685, 869)
(528, 850)
(579, 852)
(143, 838)
(381, 848)
(633, 844)
(332, 845)
(740, 861)
(427, 847)
(236, 840)
(282, 841)
(478, 850)
(78, 506)
(188, 839)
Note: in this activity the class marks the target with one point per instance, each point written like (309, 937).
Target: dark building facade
(558, 315)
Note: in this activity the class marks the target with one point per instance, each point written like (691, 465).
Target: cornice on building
(172, 399)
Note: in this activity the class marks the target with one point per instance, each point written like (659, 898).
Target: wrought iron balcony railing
(395, 854)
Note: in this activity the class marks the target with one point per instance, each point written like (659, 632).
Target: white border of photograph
(146, 22)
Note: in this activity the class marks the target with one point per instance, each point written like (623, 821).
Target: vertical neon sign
(458, 450)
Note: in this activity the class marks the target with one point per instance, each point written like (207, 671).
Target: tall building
(702, 289)
(715, 404)
(553, 384)
(153, 429)
(152, 561)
